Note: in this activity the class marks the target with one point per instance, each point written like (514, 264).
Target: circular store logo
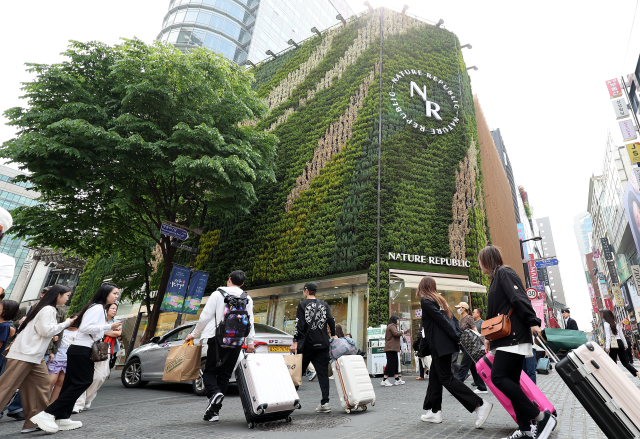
(424, 101)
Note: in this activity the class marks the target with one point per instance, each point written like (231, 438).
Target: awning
(442, 283)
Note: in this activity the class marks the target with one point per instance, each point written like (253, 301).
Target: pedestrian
(91, 323)
(442, 341)
(341, 345)
(113, 338)
(615, 343)
(468, 365)
(507, 296)
(420, 354)
(101, 369)
(310, 338)
(391, 349)
(569, 323)
(222, 357)
(58, 366)
(629, 350)
(26, 368)
(477, 318)
(8, 311)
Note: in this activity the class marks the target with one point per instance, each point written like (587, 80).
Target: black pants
(620, 353)
(320, 360)
(77, 380)
(505, 375)
(440, 375)
(216, 378)
(421, 368)
(391, 368)
(468, 365)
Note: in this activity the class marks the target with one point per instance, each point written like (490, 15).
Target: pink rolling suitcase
(531, 390)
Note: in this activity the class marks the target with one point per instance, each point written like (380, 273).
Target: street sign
(174, 232)
(532, 293)
(546, 263)
(193, 250)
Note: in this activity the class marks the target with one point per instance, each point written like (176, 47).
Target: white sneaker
(324, 408)
(483, 412)
(386, 383)
(331, 377)
(87, 406)
(480, 391)
(46, 422)
(429, 416)
(76, 410)
(313, 376)
(68, 424)
(30, 430)
(398, 382)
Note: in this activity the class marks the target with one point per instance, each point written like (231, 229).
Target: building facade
(244, 30)
(583, 228)
(549, 251)
(506, 164)
(14, 194)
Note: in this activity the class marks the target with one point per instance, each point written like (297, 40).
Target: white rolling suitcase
(266, 389)
(353, 382)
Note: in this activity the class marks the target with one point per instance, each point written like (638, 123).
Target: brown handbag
(497, 327)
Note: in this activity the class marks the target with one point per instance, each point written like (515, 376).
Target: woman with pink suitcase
(509, 326)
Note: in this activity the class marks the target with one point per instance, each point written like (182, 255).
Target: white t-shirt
(68, 337)
(7, 270)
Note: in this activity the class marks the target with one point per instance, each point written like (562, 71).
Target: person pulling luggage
(310, 338)
(507, 297)
(224, 332)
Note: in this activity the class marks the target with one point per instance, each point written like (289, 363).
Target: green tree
(119, 139)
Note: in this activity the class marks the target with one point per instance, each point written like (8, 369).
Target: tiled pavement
(171, 411)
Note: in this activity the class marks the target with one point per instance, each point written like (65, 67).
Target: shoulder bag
(472, 342)
(99, 348)
(497, 327)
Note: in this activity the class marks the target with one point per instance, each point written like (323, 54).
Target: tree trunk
(155, 312)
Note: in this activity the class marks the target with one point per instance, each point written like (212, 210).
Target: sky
(541, 75)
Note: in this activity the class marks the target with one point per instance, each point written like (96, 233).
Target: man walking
(569, 323)
(467, 322)
(221, 358)
(312, 318)
(477, 317)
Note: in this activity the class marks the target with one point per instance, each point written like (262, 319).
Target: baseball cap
(464, 305)
(311, 286)
(6, 221)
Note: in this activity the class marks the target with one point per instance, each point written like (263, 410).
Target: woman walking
(26, 368)
(443, 341)
(391, 349)
(58, 366)
(507, 296)
(91, 324)
(615, 344)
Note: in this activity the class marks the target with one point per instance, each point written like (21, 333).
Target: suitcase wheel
(347, 410)
(373, 403)
(289, 419)
(364, 408)
(251, 425)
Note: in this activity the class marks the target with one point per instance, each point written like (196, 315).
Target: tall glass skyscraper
(243, 30)
(13, 195)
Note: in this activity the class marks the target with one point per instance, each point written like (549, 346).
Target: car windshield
(266, 329)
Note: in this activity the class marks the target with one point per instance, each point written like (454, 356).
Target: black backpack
(235, 324)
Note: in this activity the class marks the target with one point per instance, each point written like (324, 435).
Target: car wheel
(198, 384)
(132, 374)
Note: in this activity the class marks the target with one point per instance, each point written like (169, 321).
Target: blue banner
(195, 292)
(176, 289)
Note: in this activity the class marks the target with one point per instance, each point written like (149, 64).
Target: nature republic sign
(424, 101)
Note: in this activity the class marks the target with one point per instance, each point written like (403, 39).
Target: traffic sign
(546, 263)
(532, 293)
(193, 250)
(174, 232)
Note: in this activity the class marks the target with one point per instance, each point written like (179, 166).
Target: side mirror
(154, 340)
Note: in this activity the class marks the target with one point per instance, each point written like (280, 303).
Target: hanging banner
(595, 306)
(538, 307)
(176, 289)
(606, 249)
(617, 294)
(592, 294)
(613, 272)
(634, 152)
(533, 273)
(609, 305)
(604, 291)
(628, 130)
(620, 108)
(195, 292)
(614, 88)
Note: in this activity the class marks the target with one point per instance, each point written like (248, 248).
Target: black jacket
(315, 328)
(506, 292)
(571, 324)
(438, 332)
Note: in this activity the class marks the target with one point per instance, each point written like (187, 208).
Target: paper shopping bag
(294, 364)
(183, 363)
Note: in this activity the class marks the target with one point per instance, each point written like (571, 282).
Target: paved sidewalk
(172, 411)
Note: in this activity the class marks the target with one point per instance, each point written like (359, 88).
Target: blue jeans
(16, 405)
(529, 366)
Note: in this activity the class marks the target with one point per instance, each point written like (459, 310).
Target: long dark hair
(608, 317)
(49, 299)
(491, 259)
(100, 298)
(9, 309)
(393, 320)
(427, 289)
(339, 331)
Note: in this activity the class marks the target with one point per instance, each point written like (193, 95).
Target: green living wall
(320, 217)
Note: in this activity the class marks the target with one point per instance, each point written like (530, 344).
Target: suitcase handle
(552, 355)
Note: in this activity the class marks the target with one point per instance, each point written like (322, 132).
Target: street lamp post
(524, 261)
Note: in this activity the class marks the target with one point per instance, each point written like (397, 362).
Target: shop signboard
(618, 296)
(374, 331)
(620, 108)
(592, 294)
(176, 289)
(538, 307)
(604, 291)
(613, 272)
(543, 275)
(606, 248)
(533, 273)
(635, 273)
(614, 88)
(609, 305)
(540, 286)
(595, 305)
(634, 151)
(628, 130)
(625, 321)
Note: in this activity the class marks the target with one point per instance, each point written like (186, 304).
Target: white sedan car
(146, 363)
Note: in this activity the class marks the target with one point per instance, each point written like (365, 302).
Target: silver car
(146, 363)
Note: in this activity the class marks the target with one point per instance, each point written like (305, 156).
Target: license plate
(278, 348)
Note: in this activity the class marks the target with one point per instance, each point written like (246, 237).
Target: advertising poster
(195, 292)
(538, 307)
(618, 296)
(176, 289)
